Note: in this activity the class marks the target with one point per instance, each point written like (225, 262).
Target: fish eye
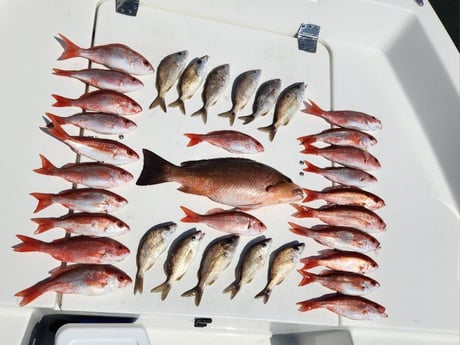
(134, 104)
(121, 278)
(120, 224)
(145, 62)
(120, 247)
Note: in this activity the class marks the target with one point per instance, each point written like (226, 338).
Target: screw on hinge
(307, 37)
(202, 322)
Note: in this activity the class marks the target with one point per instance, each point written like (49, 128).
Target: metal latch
(128, 7)
(307, 37)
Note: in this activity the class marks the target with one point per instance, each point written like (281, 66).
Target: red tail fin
(63, 73)
(307, 277)
(310, 195)
(28, 244)
(312, 108)
(58, 132)
(194, 138)
(47, 168)
(309, 149)
(309, 262)
(190, 216)
(303, 211)
(298, 229)
(30, 294)
(44, 200)
(55, 119)
(307, 139)
(62, 101)
(44, 224)
(308, 305)
(311, 167)
(70, 49)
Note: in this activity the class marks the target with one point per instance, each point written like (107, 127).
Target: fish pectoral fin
(188, 190)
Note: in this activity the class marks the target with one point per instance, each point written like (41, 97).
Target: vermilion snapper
(341, 260)
(352, 307)
(349, 156)
(82, 199)
(95, 175)
(101, 123)
(231, 221)
(231, 141)
(103, 79)
(342, 137)
(115, 56)
(238, 182)
(342, 195)
(343, 215)
(105, 101)
(77, 249)
(101, 150)
(344, 118)
(338, 237)
(348, 283)
(89, 224)
(83, 279)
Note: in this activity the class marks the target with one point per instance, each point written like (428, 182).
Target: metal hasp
(307, 37)
(128, 7)
(419, 2)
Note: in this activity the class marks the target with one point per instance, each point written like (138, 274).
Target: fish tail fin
(28, 244)
(163, 288)
(310, 195)
(58, 132)
(47, 167)
(230, 114)
(308, 305)
(306, 139)
(197, 291)
(307, 277)
(63, 73)
(33, 292)
(247, 118)
(139, 283)
(155, 169)
(190, 216)
(309, 262)
(233, 288)
(62, 101)
(303, 211)
(194, 138)
(55, 119)
(271, 131)
(311, 167)
(312, 108)
(159, 101)
(203, 112)
(298, 229)
(309, 149)
(265, 294)
(70, 49)
(44, 200)
(178, 103)
(44, 224)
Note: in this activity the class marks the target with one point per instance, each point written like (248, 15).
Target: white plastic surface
(389, 58)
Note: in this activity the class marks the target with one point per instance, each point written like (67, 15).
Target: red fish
(343, 175)
(89, 224)
(105, 101)
(83, 279)
(101, 123)
(338, 237)
(345, 155)
(78, 249)
(341, 195)
(341, 261)
(116, 56)
(352, 307)
(348, 283)
(231, 141)
(95, 175)
(103, 79)
(342, 137)
(83, 199)
(234, 222)
(344, 118)
(343, 215)
(100, 149)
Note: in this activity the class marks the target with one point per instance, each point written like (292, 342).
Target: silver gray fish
(152, 244)
(190, 80)
(252, 261)
(216, 259)
(243, 88)
(284, 261)
(214, 86)
(168, 72)
(287, 104)
(264, 100)
(179, 260)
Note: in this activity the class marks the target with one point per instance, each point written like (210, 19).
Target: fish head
(202, 65)
(299, 247)
(230, 243)
(128, 124)
(180, 57)
(264, 245)
(114, 277)
(124, 175)
(285, 193)
(123, 280)
(197, 236)
(255, 226)
(132, 107)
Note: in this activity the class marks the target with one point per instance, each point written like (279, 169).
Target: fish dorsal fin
(59, 270)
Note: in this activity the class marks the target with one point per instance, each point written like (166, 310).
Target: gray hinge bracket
(307, 37)
(127, 7)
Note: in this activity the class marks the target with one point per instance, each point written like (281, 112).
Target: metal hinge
(307, 37)
(128, 7)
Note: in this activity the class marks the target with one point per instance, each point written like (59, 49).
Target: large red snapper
(238, 182)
